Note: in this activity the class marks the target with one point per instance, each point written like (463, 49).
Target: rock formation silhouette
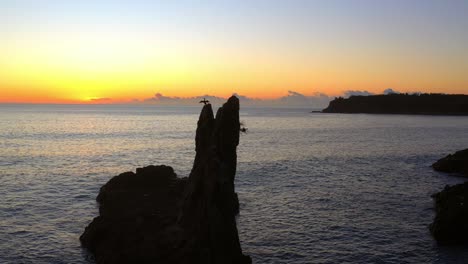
(450, 225)
(152, 216)
(453, 163)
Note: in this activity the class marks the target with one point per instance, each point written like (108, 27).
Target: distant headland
(425, 104)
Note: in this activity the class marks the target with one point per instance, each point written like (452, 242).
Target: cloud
(350, 93)
(294, 94)
(291, 99)
(298, 99)
(390, 91)
(159, 98)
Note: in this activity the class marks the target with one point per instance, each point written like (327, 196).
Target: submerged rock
(450, 225)
(453, 163)
(152, 216)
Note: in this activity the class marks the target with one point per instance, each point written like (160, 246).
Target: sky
(133, 51)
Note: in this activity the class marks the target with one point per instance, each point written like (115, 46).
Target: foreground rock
(454, 163)
(450, 225)
(152, 216)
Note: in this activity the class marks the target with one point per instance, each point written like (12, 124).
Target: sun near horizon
(87, 52)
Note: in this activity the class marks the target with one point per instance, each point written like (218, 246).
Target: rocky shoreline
(453, 163)
(152, 216)
(450, 225)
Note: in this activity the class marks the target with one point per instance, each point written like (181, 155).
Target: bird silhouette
(204, 101)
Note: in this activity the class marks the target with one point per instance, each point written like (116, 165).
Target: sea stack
(152, 216)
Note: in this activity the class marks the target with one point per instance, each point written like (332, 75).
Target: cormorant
(204, 101)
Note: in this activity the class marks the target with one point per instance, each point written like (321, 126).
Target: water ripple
(312, 188)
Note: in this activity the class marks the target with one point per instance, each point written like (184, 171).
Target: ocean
(313, 188)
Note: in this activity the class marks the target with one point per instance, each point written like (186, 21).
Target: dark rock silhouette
(429, 104)
(204, 101)
(450, 226)
(152, 216)
(454, 163)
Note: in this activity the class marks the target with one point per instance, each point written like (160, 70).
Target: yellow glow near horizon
(77, 51)
(126, 66)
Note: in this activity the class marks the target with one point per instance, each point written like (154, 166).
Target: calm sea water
(314, 188)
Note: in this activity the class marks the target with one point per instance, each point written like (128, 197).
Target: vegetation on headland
(431, 104)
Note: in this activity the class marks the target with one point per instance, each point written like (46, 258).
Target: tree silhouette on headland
(435, 103)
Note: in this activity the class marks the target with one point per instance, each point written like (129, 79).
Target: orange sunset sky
(56, 52)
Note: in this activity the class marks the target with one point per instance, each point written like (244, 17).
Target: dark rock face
(453, 163)
(431, 104)
(136, 212)
(450, 225)
(154, 217)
